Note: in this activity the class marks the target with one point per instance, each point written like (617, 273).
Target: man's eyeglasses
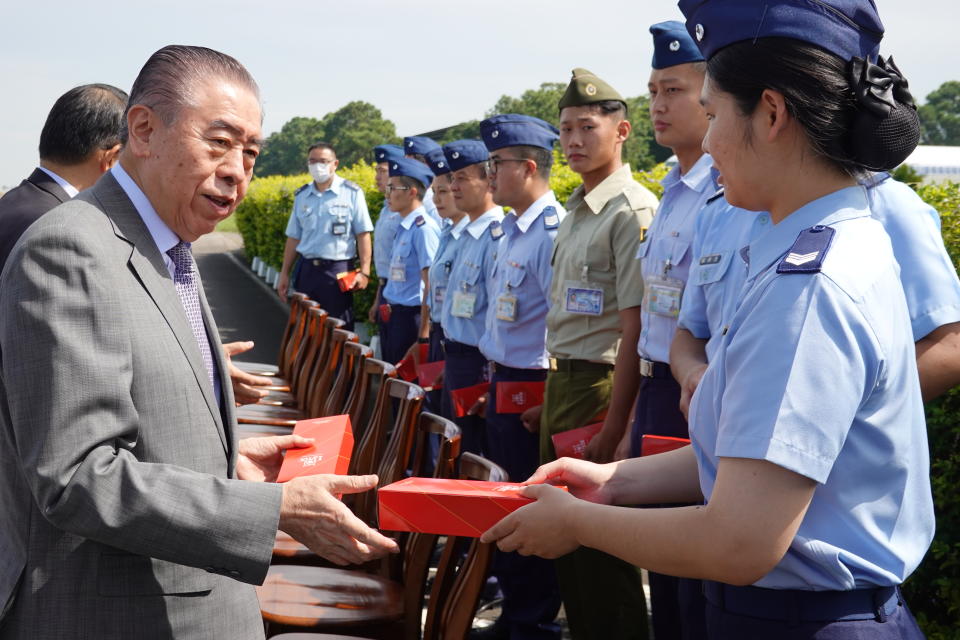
(493, 164)
(391, 187)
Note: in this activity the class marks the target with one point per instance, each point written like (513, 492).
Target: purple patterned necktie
(187, 290)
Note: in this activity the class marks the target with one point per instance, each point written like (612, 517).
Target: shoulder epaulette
(350, 184)
(875, 179)
(495, 229)
(419, 221)
(299, 189)
(551, 220)
(807, 253)
(714, 197)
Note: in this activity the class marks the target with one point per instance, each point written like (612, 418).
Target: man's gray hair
(167, 80)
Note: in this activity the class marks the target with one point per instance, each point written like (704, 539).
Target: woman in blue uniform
(809, 444)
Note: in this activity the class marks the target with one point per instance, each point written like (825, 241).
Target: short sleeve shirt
(596, 249)
(327, 222)
(817, 374)
(447, 255)
(384, 233)
(413, 251)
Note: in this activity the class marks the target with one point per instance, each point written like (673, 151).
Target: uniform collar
(407, 221)
(335, 186)
(71, 190)
(697, 179)
(478, 226)
(163, 236)
(612, 185)
(457, 230)
(527, 218)
(845, 204)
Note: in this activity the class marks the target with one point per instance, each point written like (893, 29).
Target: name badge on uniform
(398, 272)
(662, 296)
(438, 295)
(582, 298)
(507, 307)
(463, 304)
(339, 228)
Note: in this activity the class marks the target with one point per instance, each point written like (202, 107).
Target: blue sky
(425, 63)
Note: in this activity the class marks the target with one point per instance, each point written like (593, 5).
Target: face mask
(319, 172)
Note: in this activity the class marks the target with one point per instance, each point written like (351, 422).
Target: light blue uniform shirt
(817, 374)
(384, 233)
(522, 273)
(442, 266)
(928, 277)
(413, 250)
(717, 270)
(327, 222)
(468, 279)
(665, 253)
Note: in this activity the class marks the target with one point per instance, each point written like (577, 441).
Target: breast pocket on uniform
(710, 268)
(339, 216)
(398, 263)
(679, 252)
(308, 218)
(642, 250)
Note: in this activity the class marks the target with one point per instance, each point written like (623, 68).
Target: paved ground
(244, 307)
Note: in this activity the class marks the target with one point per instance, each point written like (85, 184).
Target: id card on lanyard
(662, 294)
(463, 303)
(583, 297)
(398, 270)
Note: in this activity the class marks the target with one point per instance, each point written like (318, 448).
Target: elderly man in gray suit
(127, 507)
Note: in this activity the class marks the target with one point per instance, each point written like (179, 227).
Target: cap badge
(440, 164)
(455, 155)
(675, 45)
(495, 134)
(410, 144)
(699, 31)
(394, 166)
(590, 89)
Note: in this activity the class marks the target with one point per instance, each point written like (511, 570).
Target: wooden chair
(363, 395)
(290, 595)
(313, 322)
(289, 343)
(303, 598)
(312, 388)
(351, 367)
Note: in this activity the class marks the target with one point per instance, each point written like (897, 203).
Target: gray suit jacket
(119, 517)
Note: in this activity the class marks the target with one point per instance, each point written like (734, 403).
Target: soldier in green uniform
(595, 300)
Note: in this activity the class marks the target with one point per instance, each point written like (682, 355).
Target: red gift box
(572, 443)
(447, 507)
(346, 280)
(517, 397)
(427, 374)
(464, 398)
(652, 445)
(329, 453)
(407, 368)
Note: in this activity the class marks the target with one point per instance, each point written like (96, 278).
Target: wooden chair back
(460, 577)
(307, 356)
(347, 376)
(288, 348)
(327, 368)
(362, 401)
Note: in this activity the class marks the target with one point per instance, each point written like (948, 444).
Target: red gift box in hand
(329, 453)
(652, 445)
(427, 374)
(447, 507)
(464, 398)
(572, 443)
(407, 368)
(517, 397)
(347, 280)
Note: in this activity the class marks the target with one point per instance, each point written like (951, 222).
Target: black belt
(459, 348)
(323, 262)
(502, 368)
(795, 606)
(651, 369)
(573, 365)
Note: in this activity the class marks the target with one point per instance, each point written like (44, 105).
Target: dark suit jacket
(23, 205)
(119, 513)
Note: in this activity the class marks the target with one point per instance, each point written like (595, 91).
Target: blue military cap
(846, 28)
(437, 161)
(387, 152)
(512, 129)
(412, 169)
(418, 145)
(463, 153)
(672, 45)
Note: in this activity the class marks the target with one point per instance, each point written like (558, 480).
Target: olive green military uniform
(595, 276)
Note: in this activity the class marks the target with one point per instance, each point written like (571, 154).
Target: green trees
(940, 116)
(285, 152)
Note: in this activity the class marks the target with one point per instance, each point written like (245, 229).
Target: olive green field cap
(586, 88)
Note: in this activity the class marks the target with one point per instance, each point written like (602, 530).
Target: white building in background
(936, 164)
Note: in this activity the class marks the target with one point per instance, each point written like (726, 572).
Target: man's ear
(106, 158)
(142, 123)
(623, 130)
